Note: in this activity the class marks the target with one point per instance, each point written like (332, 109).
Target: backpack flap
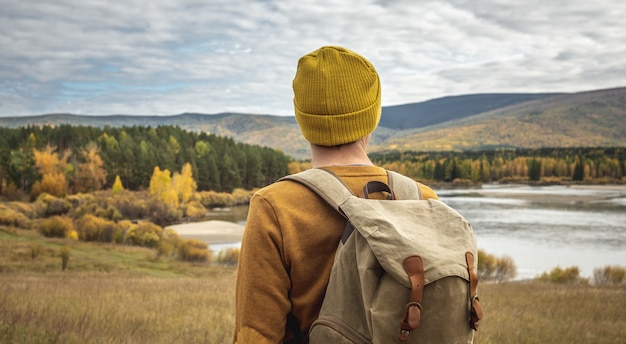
(396, 230)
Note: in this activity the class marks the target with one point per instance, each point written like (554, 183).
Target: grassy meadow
(121, 294)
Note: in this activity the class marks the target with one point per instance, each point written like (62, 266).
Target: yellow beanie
(336, 96)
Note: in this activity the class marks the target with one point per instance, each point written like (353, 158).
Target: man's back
(289, 244)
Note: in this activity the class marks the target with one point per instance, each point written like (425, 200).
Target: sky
(140, 57)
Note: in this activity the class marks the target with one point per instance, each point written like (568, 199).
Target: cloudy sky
(141, 57)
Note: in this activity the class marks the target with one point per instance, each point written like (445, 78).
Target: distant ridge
(435, 111)
(466, 122)
(584, 119)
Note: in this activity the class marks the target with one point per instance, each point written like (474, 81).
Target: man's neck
(349, 154)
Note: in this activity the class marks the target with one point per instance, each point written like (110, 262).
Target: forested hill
(465, 122)
(84, 159)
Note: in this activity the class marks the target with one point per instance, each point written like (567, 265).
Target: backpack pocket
(328, 329)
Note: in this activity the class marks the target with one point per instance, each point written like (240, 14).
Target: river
(540, 228)
(549, 226)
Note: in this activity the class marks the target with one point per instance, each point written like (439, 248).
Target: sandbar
(586, 194)
(212, 232)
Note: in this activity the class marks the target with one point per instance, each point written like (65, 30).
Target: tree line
(581, 164)
(71, 159)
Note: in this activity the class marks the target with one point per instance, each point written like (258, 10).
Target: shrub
(93, 228)
(12, 217)
(486, 265)
(162, 214)
(54, 205)
(121, 231)
(559, 275)
(145, 234)
(229, 256)
(193, 250)
(195, 210)
(169, 242)
(212, 199)
(241, 196)
(84, 209)
(505, 268)
(88, 228)
(491, 267)
(80, 199)
(609, 275)
(131, 205)
(27, 209)
(56, 226)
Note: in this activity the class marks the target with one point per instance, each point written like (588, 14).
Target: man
(291, 234)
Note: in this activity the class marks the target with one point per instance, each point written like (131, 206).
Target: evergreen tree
(579, 170)
(534, 170)
(440, 173)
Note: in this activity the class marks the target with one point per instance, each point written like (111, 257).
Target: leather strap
(347, 232)
(414, 267)
(476, 311)
(376, 186)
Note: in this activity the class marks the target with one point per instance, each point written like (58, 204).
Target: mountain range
(465, 122)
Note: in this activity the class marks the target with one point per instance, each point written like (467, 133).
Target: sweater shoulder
(427, 192)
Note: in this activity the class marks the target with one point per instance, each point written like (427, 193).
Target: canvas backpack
(404, 271)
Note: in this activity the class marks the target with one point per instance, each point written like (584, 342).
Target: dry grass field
(121, 294)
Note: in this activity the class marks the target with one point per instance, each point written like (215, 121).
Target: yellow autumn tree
(90, 174)
(161, 187)
(172, 190)
(159, 182)
(183, 183)
(170, 198)
(52, 169)
(117, 185)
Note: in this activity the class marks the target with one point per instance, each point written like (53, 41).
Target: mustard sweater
(287, 253)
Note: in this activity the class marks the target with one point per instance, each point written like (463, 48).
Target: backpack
(404, 271)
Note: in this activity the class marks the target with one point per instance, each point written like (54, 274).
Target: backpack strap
(476, 311)
(403, 186)
(334, 191)
(324, 183)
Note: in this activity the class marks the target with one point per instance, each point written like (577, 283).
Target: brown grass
(121, 294)
(539, 312)
(108, 294)
(102, 308)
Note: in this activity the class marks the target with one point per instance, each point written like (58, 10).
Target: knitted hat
(336, 96)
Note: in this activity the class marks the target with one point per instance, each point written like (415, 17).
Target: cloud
(141, 57)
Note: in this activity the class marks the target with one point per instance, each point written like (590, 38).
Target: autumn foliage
(68, 159)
